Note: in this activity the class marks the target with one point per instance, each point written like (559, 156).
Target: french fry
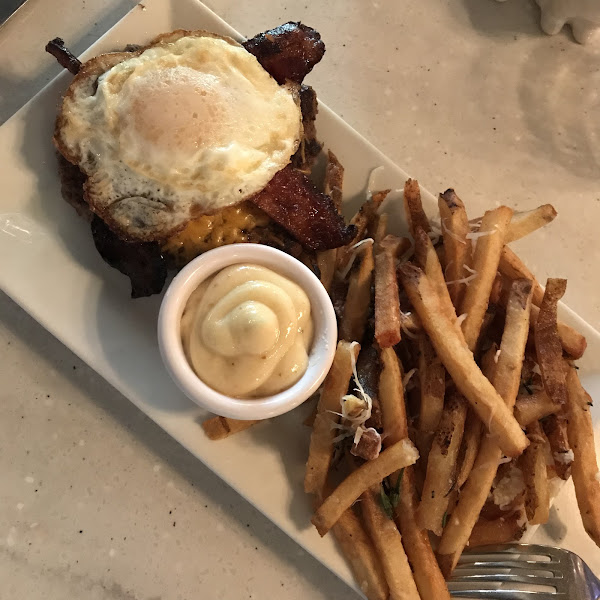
(413, 207)
(471, 442)
(555, 429)
(380, 227)
(432, 376)
(426, 258)
(427, 575)
(524, 223)
(391, 396)
(506, 380)
(573, 343)
(514, 268)
(426, 571)
(474, 427)
(533, 407)
(356, 309)
(533, 466)
(388, 542)
(458, 361)
(218, 428)
(333, 186)
(361, 220)
(321, 441)
(502, 530)
(441, 465)
(326, 264)
(548, 348)
(392, 459)
(455, 227)
(585, 465)
(387, 302)
(486, 257)
(334, 179)
(357, 547)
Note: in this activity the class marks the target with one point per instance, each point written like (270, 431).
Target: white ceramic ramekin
(171, 347)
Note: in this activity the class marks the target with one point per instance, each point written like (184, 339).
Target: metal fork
(523, 572)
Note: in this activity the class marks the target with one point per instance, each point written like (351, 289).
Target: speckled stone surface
(96, 502)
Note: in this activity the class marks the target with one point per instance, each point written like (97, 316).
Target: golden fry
(370, 473)
(471, 443)
(432, 376)
(547, 342)
(426, 571)
(218, 428)
(413, 207)
(388, 542)
(573, 343)
(585, 465)
(514, 268)
(391, 397)
(387, 302)
(533, 466)
(502, 530)
(486, 257)
(533, 407)
(362, 556)
(441, 465)
(524, 223)
(326, 263)
(358, 299)
(334, 179)
(555, 429)
(460, 364)
(321, 441)
(380, 227)
(506, 380)
(455, 228)
(427, 258)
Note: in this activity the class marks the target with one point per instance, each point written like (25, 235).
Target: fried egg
(186, 126)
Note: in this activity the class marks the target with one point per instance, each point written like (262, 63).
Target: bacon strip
(288, 52)
(291, 200)
(63, 55)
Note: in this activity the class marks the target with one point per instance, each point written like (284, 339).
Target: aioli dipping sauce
(246, 331)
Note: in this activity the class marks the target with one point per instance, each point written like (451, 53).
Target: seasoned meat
(292, 200)
(309, 146)
(142, 262)
(288, 52)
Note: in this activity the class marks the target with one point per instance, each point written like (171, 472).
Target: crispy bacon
(288, 52)
(292, 200)
(63, 55)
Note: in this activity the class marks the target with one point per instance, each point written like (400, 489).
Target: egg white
(183, 128)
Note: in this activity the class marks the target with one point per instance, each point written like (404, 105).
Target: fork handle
(593, 582)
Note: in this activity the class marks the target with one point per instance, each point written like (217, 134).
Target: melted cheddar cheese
(228, 226)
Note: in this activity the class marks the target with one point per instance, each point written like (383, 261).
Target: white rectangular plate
(48, 265)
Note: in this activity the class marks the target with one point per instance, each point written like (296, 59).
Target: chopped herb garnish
(444, 519)
(389, 495)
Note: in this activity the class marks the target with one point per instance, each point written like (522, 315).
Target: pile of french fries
(453, 400)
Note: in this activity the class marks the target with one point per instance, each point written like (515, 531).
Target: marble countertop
(96, 501)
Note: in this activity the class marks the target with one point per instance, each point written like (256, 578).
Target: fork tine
(524, 549)
(508, 564)
(475, 578)
(504, 594)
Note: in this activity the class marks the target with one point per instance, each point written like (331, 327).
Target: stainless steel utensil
(523, 572)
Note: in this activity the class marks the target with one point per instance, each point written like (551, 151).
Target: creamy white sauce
(247, 331)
